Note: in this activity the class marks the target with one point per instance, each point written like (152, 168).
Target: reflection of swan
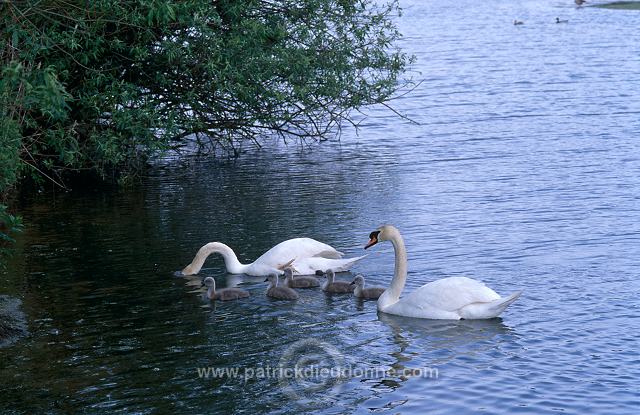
(457, 337)
(427, 345)
(448, 298)
(467, 331)
(233, 280)
(305, 255)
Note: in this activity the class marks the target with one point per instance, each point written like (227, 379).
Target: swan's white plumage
(298, 248)
(450, 298)
(443, 299)
(452, 293)
(304, 255)
(309, 266)
(308, 256)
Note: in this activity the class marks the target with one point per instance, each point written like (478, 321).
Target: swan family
(452, 298)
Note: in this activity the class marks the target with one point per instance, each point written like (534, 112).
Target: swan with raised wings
(304, 255)
(451, 298)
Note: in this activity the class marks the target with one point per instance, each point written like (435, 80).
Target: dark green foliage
(103, 85)
(9, 225)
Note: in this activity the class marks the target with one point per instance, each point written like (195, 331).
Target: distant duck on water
(561, 21)
(517, 22)
(580, 2)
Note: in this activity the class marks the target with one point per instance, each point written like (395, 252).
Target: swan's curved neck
(230, 259)
(211, 292)
(358, 290)
(392, 294)
(328, 280)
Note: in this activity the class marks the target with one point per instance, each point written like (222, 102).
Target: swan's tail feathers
(287, 265)
(500, 304)
(488, 310)
(342, 265)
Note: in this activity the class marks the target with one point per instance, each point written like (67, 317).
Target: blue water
(521, 170)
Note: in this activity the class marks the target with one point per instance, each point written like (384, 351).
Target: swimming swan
(305, 255)
(277, 292)
(224, 294)
(372, 293)
(336, 287)
(299, 282)
(451, 298)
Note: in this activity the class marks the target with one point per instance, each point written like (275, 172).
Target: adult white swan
(304, 255)
(451, 298)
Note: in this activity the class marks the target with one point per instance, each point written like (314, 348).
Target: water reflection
(460, 339)
(13, 322)
(522, 173)
(452, 334)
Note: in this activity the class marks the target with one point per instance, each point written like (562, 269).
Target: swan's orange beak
(371, 242)
(373, 239)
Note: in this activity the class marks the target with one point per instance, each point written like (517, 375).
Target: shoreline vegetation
(95, 89)
(620, 5)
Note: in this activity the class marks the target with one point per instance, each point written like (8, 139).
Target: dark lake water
(523, 172)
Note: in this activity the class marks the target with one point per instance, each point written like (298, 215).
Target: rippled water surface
(521, 171)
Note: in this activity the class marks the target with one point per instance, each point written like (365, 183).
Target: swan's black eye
(374, 235)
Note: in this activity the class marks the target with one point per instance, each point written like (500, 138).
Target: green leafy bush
(102, 85)
(9, 225)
